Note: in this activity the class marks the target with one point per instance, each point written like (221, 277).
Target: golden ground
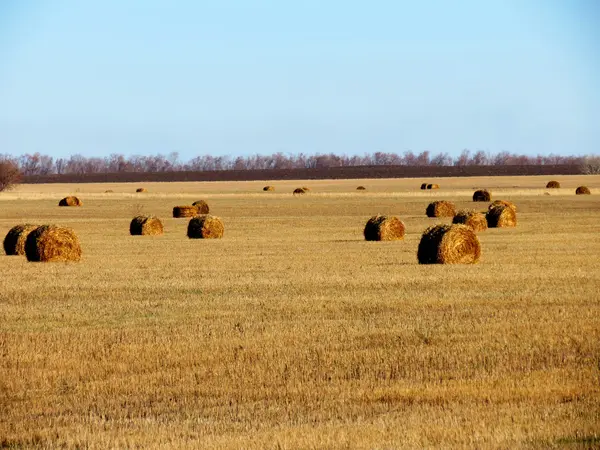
(294, 332)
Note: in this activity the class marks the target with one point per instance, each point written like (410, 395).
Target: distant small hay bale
(553, 185)
(361, 188)
(14, 242)
(185, 211)
(299, 191)
(384, 228)
(70, 201)
(583, 190)
(146, 225)
(269, 188)
(306, 189)
(108, 191)
(441, 208)
(473, 219)
(49, 243)
(141, 190)
(503, 203)
(433, 186)
(424, 186)
(205, 227)
(482, 195)
(201, 206)
(449, 244)
(501, 217)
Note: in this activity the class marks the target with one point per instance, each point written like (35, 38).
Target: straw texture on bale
(384, 228)
(424, 186)
(501, 217)
(269, 188)
(449, 244)
(441, 208)
(205, 227)
(361, 188)
(141, 190)
(146, 225)
(433, 186)
(14, 242)
(473, 219)
(503, 203)
(185, 211)
(553, 185)
(299, 191)
(482, 195)
(582, 190)
(70, 201)
(49, 243)
(201, 206)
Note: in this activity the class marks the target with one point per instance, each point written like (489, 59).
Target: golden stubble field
(292, 331)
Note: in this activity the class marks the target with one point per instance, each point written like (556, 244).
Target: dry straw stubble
(50, 243)
(205, 227)
(384, 228)
(482, 195)
(583, 190)
(146, 225)
(449, 244)
(14, 242)
(185, 211)
(70, 201)
(501, 217)
(440, 208)
(201, 206)
(473, 219)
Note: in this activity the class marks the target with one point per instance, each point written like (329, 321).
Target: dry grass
(294, 332)
(384, 228)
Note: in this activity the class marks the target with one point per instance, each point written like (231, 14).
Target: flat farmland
(294, 332)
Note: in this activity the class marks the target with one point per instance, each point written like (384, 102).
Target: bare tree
(10, 175)
(591, 165)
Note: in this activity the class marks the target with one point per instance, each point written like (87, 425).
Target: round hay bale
(441, 208)
(433, 186)
(49, 243)
(146, 225)
(141, 190)
(108, 191)
(482, 195)
(384, 228)
(503, 203)
(501, 217)
(553, 185)
(306, 189)
(473, 219)
(185, 211)
(205, 227)
(582, 190)
(449, 244)
(361, 188)
(424, 186)
(269, 188)
(14, 242)
(201, 206)
(70, 201)
(299, 191)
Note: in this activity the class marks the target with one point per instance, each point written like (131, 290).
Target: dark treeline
(39, 165)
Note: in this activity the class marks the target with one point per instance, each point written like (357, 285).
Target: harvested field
(293, 331)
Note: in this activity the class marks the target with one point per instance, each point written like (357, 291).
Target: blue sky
(349, 77)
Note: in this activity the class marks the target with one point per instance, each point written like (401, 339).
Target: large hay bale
(205, 227)
(70, 201)
(49, 243)
(384, 228)
(361, 188)
(299, 191)
(482, 195)
(201, 206)
(449, 244)
(433, 186)
(424, 186)
(269, 188)
(441, 208)
(503, 203)
(141, 190)
(146, 225)
(553, 185)
(14, 242)
(185, 211)
(582, 190)
(473, 219)
(501, 217)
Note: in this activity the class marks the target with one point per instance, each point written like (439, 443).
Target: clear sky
(228, 77)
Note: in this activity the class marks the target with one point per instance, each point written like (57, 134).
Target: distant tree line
(38, 164)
